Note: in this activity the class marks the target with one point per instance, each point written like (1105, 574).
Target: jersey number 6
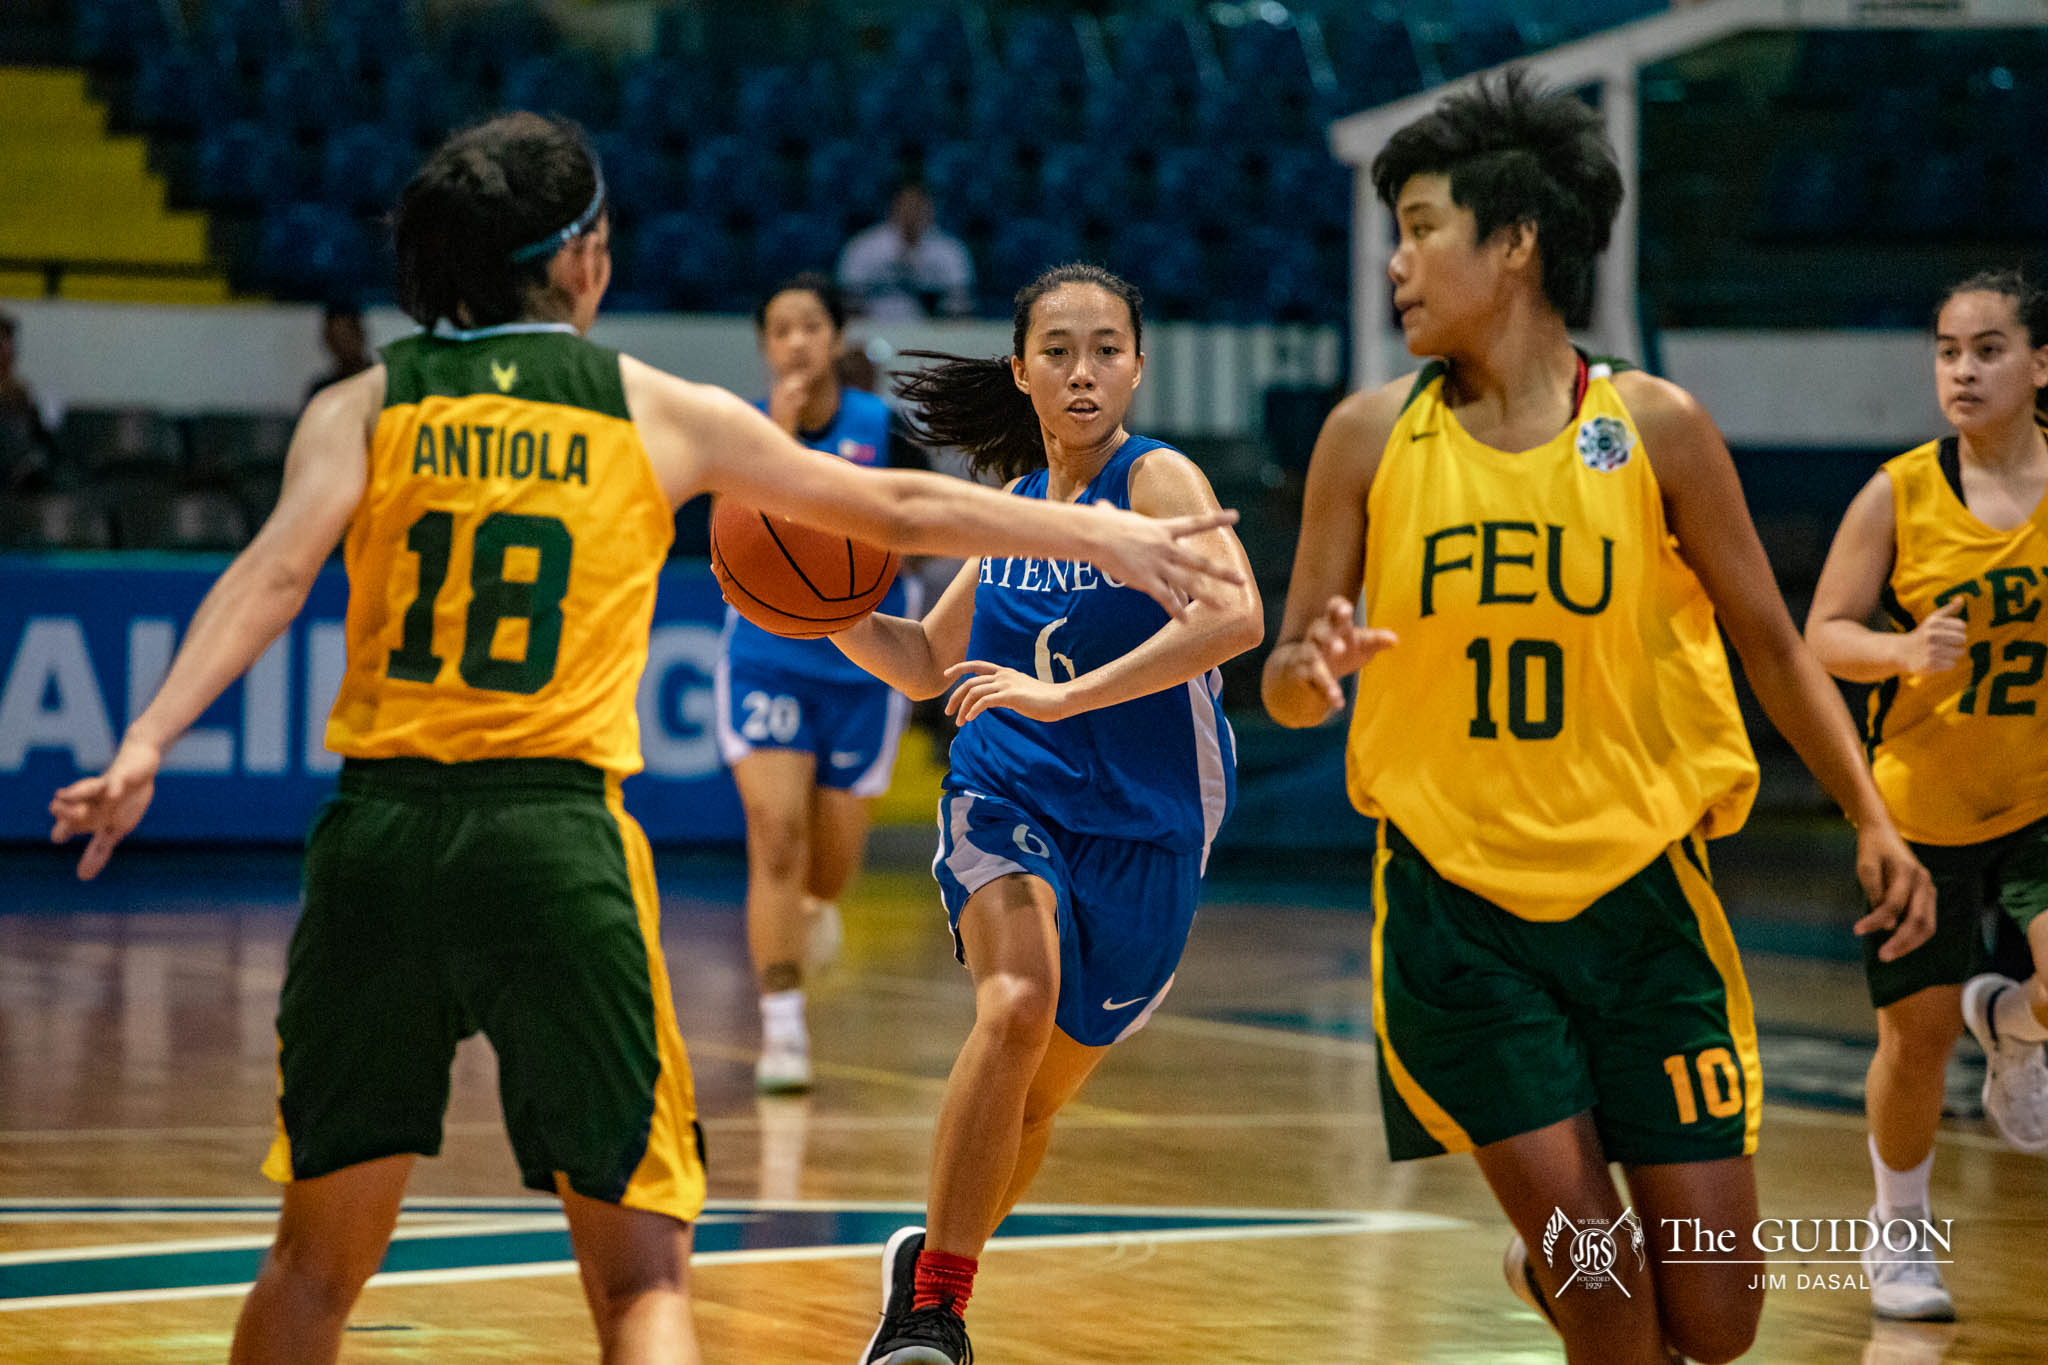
(493, 597)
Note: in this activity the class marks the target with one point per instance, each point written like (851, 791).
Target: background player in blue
(1091, 772)
(809, 737)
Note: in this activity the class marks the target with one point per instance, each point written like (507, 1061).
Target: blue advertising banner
(86, 639)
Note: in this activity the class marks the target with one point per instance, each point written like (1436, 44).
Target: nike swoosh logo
(1420, 435)
(1125, 1004)
(843, 759)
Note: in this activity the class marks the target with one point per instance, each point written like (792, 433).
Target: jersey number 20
(493, 598)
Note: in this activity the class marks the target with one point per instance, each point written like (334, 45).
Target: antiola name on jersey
(462, 450)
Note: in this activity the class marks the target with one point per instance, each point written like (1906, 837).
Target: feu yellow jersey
(502, 565)
(1962, 756)
(1558, 710)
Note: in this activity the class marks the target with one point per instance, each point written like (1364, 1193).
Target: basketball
(793, 580)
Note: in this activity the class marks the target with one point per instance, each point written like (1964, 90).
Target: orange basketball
(793, 580)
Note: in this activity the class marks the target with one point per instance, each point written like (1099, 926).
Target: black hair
(487, 192)
(338, 310)
(8, 325)
(808, 281)
(1519, 153)
(2029, 302)
(976, 406)
(2029, 305)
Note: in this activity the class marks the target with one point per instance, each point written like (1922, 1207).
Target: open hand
(1147, 553)
(108, 806)
(991, 685)
(1332, 648)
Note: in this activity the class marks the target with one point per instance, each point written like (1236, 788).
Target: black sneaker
(905, 1336)
(923, 1336)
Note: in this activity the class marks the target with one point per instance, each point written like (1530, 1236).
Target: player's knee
(327, 1277)
(1927, 1041)
(1017, 1009)
(776, 846)
(1711, 1333)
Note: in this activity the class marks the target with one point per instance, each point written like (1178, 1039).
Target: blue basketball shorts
(852, 728)
(1124, 907)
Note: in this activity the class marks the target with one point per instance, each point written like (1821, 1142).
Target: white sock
(1901, 1191)
(782, 1017)
(2012, 1015)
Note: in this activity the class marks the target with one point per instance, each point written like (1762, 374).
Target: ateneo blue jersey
(1158, 769)
(859, 432)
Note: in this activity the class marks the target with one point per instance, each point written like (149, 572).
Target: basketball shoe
(908, 1335)
(1906, 1286)
(1522, 1280)
(2015, 1075)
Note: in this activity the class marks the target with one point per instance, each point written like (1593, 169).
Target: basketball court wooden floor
(1220, 1194)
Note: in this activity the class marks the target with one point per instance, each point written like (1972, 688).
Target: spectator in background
(342, 335)
(906, 266)
(26, 450)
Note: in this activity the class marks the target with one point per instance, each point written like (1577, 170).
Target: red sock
(944, 1280)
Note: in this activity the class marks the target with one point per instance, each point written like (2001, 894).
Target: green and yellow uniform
(1961, 756)
(1546, 749)
(476, 869)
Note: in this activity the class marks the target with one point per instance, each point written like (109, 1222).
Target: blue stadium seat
(559, 83)
(733, 176)
(776, 103)
(1942, 194)
(684, 260)
(973, 182)
(1816, 192)
(794, 242)
(305, 90)
(368, 36)
(254, 29)
(1306, 185)
(485, 43)
(178, 89)
(312, 251)
(364, 167)
(1256, 115)
(1165, 262)
(1200, 185)
(849, 180)
(1022, 103)
(1083, 180)
(935, 41)
(1129, 115)
(903, 103)
(637, 176)
(663, 101)
(1043, 42)
(245, 164)
(1021, 249)
(1155, 52)
(1374, 54)
(118, 31)
(424, 98)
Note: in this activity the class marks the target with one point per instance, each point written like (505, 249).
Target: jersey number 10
(1525, 658)
(493, 598)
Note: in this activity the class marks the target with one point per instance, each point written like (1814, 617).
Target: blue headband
(555, 241)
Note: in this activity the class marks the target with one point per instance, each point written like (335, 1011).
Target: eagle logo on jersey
(504, 376)
(1605, 443)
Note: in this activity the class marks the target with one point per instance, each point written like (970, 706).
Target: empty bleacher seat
(424, 98)
(662, 101)
(684, 260)
(1939, 194)
(795, 242)
(563, 84)
(305, 91)
(638, 178)
(96, 441)
(203, 519)
(312, 251)
(118, 31)
(225, 447)
(1022, 248)
(849, 179)
(1086, 180)
(1156, 52)
(1166, 264)
(245, 164)
(1200, 185)
(732, 176)
(776, 103)
(974, 183)
(1816, 192)
(364, 167)
(54, 521)
(180, 88)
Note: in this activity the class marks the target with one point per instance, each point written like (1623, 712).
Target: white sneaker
(783, 1067)
(823, 934)
(1906, 1285)
(2015, 1074)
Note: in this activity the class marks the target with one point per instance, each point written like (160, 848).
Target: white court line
(1357, 1224)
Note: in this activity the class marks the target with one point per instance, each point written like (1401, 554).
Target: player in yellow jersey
(506, 490)
(1546, 731)
(1950, 540)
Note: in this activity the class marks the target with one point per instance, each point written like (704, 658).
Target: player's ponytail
(479, 221)
(975, 406)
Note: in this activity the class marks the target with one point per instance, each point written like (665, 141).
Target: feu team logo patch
(1605, 443)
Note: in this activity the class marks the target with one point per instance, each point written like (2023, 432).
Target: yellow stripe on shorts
(1439, 1124)
(670, 1177)
(1720, 941)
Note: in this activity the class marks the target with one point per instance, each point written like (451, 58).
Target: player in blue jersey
(810, 738)
(1092, 769)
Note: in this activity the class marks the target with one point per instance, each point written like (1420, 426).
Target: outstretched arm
(1320, 641)
(248, 607)
(703, 439)
(1859, 562)
(1704, 505)
(1164, 483)
(912, 656)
